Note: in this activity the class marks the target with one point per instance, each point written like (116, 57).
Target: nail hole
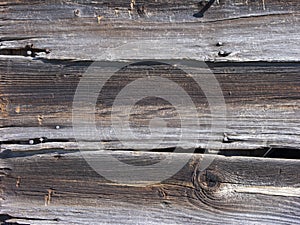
(77, 13)
(224, 53)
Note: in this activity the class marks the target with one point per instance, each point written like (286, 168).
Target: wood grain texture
(250, 30)
(261, 99)
(250, 47)
(230, 190)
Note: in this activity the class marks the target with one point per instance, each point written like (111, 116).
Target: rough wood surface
(230, 190)
(250, 47)
(250, 30)
(261, 99)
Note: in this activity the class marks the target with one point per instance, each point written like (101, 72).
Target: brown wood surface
(261, 100)
(250, 47)
(231, 190)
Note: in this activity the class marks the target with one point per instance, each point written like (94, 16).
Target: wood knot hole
(208, 180)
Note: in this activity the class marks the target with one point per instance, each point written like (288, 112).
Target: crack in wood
(18, 38)
(35, 141)
(56, 152)
(4, 217)
(269, 190)
(232, 189)
(31, 146)
(200, 14)
(28, 50)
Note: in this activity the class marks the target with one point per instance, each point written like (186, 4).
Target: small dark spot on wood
(166, 204)
(140, 10)
(224, 53)
(208, 180)
(77, 13)
(226, 139)
(58, 156)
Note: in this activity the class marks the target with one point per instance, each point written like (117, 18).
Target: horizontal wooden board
(250, 47)
(233, 190)
(261, 103)
(249, 30)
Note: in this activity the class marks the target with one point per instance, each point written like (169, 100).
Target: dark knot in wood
(207, 185)
(207, 180)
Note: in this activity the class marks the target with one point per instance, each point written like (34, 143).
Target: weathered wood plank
(47, 46)
(250, 30)
(232, 190)
(261, 99)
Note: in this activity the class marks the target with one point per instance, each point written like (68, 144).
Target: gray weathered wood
(261, 99)
(251, 30)
(251, 47)
(230, 190)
